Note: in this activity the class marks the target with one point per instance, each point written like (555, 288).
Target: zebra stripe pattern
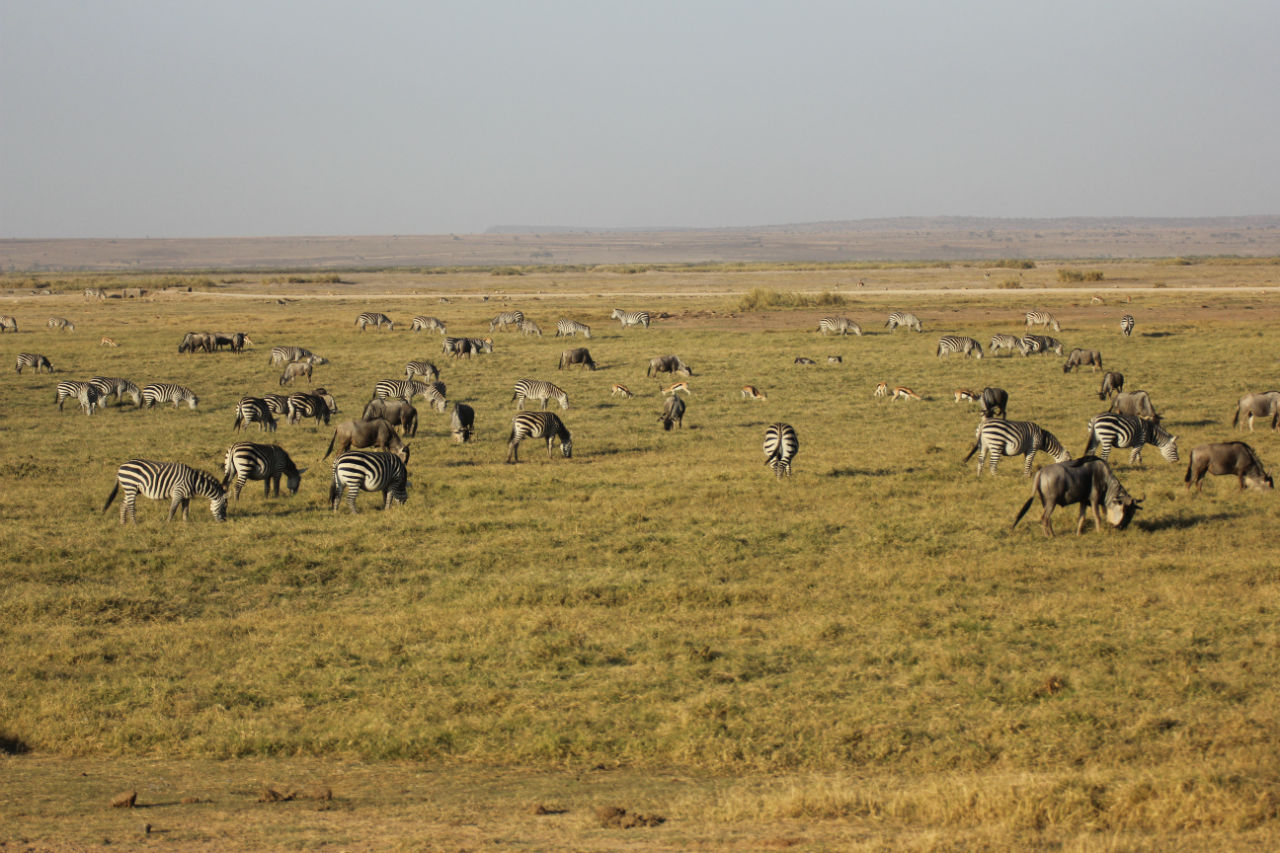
(506, 318)
(568, 328)
(61, 323)
(33, 360)
(631, 318)
(839, 326)
(1039, 344)
(1042, 318)
(427, 324)
(528, 327)
(370, 471)
(164, 392)
(407, 389)
(255, 410)
(8, 324)
(375, 319)
(284, 355)
(949, 344)
(545, 425)
(318, 406)
(159, 480)
(266, 462)
(904, 319)
(421, 368)
(1007, 342)
(537, 389)
(780, 447)
(997, 438)
(85, 392)
(1110, 430)
(1126, 325)
(115, 386)
(277, 403)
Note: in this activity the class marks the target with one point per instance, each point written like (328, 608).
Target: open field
(863, 656)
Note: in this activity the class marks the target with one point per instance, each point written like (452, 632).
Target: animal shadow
(1157, 334)
(1181, 523)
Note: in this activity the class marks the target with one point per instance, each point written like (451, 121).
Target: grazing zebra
(802, 360)
(85, 392)
(108, 342)
(996, 438)
(1111, 430)
(545, 425)
(284, 355)
(407, 389)
(463, 423)
(375, 319)
(165, 392)
(255, 410)
(528, 327)
(672, 413)
(1042, 318)
(904, 319)
(568, 328)
(948, 344)
(319, 405)
(619, 390)
(93, 293)
(33, 360)
(506, 318)
(277, 403)
(630, 318)
(902, 392)
(1111, 381)
(780, 447)
(159, 480)
(882, 389)
(369, 471)
(537, 389)
(428, 324)
(421, 368)
(266, 462)
(1126, 325)
(8, 324)
(114, 386)
(1039, 344)
(751, 392)
(61, 323)
(839, 325)
(1005, 342)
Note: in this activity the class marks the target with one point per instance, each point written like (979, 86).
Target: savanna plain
(862, 656)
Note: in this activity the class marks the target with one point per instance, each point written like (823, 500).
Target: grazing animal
(966, 395)
(839, 325)
(1005, 342)
(193, 341)
(319, 405)
(1112, 382)
(114, 386)
(286, 354)
(1097, 300)
(1266, 404)
(159, 480)
(949, 344)
(904, 319)
(463, 423)
(528, 327)
(62, 324)
(882, 389)
(277, 403)
(579, 355)
(369, 471)
(537, 389)
(254, 410)
(780, 447)
(995, 402)
(266, 462)
(997, 438)
(466, 347)
(375, 319)
(1088, 482)
(1126, 325)
(623, 391)
(238, 340)
(1081, 357)
(1111, 430)
(675, 387)
(545, 425)
(630, 318)
(94, 293)
(568, 328)
(1039, 344)
(751, 392)
(835, 359)
(410, 388)
(379, 434)
(1230, 457)
(8, 324)
(85, 392)
(1134, 403)
(672, 413)
(668, 364)
(108, 342)
(803, 360)
(397, 412)
(293, 370)
(428, 324)
(505, 319)
(425, 369)
(1042, 318)
(33, 360)
(902, 392)
(165, 392)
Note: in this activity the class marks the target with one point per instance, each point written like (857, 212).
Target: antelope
(107, 342)
(965, 394)
(902, 392)
(882, 390)
(751, 392)
(677, 386)
(620, 391)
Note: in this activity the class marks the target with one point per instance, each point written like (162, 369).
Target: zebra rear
(1004, 342)
(780, 447)
(370, 471)
(85, 392)
(998, 437)
(118, 387)
(1126, 325)
(537, 389)
(158, 480)
(266, 462)
(257, 410)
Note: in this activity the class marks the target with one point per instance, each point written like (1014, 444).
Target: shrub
(1070, 275)
(1011, 284)
(1014, 264)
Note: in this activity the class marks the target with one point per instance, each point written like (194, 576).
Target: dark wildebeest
(1081, 357)
(1087, 481)
(668, 364)
(193, 341)
(294, 369)
(463, 423)
(994, 400)
(1231, 457)
(1134, 403)
(1264, 405)
(378, 434)
(396, 412)
(238, 340)
(1111, 382)
(672, 412)
(580, 355)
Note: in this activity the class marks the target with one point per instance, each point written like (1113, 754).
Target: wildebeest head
(1120, 513)
(1259, 480)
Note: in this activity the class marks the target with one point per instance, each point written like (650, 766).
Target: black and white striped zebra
(545, 425)
(998, 437)
(407, 389)
(84, 392)
(286, 354)
(506, 318)
(255, 410)
(266, 462)
(369, 471)
(528, 327)
(159, 480)
(630, 318)
(35, 361)
(1042, 318)
(109, 386)
(427, 324)
(421, 368)
(839, 326)
(61, 323)
(1126, 325)
(375, 319)
(568, 328)
(277, 403)
(1110, 430)
(166, 392)
(537, 389)
(1005, 342)
(904, 319)
(317, 405)
(949, 344)
(1039, 345)
(780, 447)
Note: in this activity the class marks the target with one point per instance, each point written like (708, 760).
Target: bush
(1013, 264)
(1011, 284)
(763, 299)
(1070, 275)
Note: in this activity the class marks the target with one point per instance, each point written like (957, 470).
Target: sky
(156, 118)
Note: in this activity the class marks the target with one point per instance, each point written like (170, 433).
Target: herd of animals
(1131, 422)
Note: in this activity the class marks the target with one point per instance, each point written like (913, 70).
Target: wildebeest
(1266, 404)
(8, 324)
(995, 402)
(1134, 403)
(463, 423)
(377, 433)
(1112, 382)
(1087, 481)
(1230, 457)
(668, 364)
(397, 412)
(579, 355)
(672, 413)
(294, 369)
(1081, 357)
(193, 341)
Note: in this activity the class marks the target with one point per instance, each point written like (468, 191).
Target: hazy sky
(186, 118)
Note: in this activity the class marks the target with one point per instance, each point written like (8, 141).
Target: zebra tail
(115, 491)
(974, 450)
(1026, 506)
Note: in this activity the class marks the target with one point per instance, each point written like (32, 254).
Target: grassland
(864, 655)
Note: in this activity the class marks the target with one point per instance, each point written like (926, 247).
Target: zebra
(277, 404)
(255, 410)
(94, 293)
(568, 328)
(8, 324)
(319, 405)
(506, 318)
(1126, 325)
(546, 425)
(528, 327)
(1042, 318)
(61, 323)
(115, 386)
(536, 389)
(369, 471)
(1007, 342)
(407, 389)
(33, 360)
(85, 392)
(421, 368)
(165, 392)
(173, 480)
(375, 319)
(1110, 430)
(1039, 344)
(839, 325)
(780, 447)
(904, 319)
(630, 318)
(286, 354)
(266, 462)
(998, 437)
(427, 324)
(948, 344)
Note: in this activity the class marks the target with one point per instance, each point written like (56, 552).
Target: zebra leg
(173, 508)
(126, 506)
(352, 491)
(1136, 455)
(1026, 471)
(513, 455)
(241, 479)
(993, 460)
